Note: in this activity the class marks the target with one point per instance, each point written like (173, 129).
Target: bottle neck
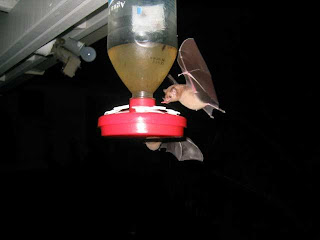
(142, 94)
(146, 102)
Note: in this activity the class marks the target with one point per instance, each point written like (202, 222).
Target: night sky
(256, 178)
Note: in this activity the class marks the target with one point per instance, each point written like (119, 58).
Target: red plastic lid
(142, 124)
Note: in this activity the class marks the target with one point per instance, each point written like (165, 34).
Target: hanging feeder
(142, 47)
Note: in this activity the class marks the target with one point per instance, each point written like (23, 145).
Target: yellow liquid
(142, 66)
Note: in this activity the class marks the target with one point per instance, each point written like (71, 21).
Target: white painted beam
(96, 21)
(7, 5)
(24, 67)
(33, 23)
(93, 28)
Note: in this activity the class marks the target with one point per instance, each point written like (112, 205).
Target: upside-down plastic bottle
(142, 42)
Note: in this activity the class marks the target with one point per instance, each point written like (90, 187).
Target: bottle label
(169, 5)
(148, 18)
(142, 21)
(116, 6)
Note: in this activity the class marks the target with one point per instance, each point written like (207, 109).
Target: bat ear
(174, 90)
(164, 90)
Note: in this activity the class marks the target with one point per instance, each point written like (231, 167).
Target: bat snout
(164, 101)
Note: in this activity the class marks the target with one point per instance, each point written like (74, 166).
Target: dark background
(256, 178)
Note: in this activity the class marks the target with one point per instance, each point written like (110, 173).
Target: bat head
(171, 94)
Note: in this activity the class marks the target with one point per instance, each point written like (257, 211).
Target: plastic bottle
(142, 42)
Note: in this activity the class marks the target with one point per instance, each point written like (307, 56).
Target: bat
(182, 150)
(198, 92)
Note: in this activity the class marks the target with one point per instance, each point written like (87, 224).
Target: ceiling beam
(33, 23)
(7, 5)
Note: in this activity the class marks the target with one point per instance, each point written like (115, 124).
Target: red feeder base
(134, 123)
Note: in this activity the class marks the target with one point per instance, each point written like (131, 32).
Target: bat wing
(172, 80)
(196, 72)
(184, 150)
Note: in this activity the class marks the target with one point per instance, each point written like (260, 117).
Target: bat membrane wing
(172, 80)
(204, 87)
(195, 70)
(190, 57)
(173, 147)
(208, 109)
(190, 151)
(184, 150)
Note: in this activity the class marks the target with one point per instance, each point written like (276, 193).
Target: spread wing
(196, 72)
(184, 150)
